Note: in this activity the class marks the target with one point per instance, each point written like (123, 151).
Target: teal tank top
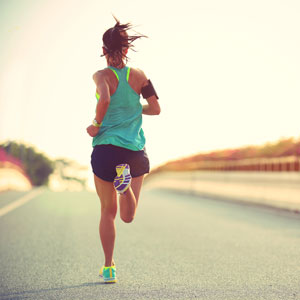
(122, 124)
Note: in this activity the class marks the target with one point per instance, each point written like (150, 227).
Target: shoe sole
(120, 169)
(110, 280)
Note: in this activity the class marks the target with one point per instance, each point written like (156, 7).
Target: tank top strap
(128, 72)
(121, 74)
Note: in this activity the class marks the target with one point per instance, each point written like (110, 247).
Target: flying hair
(116, 39)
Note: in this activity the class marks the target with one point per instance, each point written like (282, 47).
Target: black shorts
(105, 158)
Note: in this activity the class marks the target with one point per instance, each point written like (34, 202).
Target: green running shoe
(109, 274)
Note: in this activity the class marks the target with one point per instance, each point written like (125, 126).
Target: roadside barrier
(277, 164)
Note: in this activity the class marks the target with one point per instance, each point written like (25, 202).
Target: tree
(36, 165)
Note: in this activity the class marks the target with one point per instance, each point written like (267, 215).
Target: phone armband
(148, 90)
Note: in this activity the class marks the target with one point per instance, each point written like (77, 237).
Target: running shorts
(105, 158)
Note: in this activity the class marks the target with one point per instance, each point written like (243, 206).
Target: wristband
(96, 124)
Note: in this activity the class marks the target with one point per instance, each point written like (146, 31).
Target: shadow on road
(16, 295)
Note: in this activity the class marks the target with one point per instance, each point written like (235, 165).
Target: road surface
(178, 247)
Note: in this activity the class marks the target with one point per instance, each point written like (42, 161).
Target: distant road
(179, 247)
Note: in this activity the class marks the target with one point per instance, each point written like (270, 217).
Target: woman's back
(122, 124)
(137, 79)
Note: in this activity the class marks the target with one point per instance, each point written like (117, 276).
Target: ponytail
(116, 39)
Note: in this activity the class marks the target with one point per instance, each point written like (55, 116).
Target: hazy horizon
(227, 74)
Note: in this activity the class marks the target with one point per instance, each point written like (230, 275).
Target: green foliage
(37, 166)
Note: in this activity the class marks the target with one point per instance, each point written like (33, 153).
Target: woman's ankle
(109, 263)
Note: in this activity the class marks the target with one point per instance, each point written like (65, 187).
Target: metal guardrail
(277, 164)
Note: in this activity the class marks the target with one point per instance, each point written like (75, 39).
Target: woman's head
(116, 43)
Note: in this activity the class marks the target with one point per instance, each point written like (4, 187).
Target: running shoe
(109, 274)
(123, 179)
(101, 270)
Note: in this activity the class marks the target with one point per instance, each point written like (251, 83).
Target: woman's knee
(109, 211)
(127, 218)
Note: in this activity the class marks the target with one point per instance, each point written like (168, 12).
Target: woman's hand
(92, 130)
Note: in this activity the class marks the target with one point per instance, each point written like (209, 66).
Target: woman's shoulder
(137, 71)
(138, 74)
(101, 74)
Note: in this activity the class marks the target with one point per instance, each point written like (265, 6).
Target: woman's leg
(129, 200)
(107, 231)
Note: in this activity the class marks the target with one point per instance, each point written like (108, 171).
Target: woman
(119, 160)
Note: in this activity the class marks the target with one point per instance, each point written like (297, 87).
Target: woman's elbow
(157, 110)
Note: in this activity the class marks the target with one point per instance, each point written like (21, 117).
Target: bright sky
(227, 72)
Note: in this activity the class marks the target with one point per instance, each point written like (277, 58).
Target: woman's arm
(102, 89)
(152, 108)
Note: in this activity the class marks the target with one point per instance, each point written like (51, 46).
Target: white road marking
(6, 209)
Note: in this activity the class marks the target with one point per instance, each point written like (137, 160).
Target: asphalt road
(178, 247)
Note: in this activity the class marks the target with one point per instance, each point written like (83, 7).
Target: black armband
(148, 90)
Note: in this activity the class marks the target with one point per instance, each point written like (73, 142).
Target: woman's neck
(120, 65)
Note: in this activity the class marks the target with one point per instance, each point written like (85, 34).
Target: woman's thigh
(107, 195)
(136, 186)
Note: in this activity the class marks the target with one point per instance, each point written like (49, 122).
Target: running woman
(119, 159)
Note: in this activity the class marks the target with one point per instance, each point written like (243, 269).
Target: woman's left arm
(102, 105)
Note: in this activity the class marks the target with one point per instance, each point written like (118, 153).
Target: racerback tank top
(122, 124)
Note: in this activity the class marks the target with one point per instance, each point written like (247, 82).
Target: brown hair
(116, 39)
